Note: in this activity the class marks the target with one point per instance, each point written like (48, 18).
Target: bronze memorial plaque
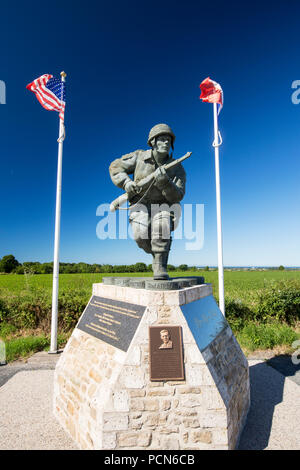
(166, 354)
(111, 321)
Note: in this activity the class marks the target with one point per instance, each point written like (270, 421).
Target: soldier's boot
(159, 266)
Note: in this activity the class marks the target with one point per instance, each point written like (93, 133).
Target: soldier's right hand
(131, 188)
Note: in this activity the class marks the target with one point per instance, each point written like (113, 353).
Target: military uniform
(141, 164)
(152, 225)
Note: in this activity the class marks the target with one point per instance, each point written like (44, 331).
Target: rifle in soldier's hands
(131, 188)
(161, 177)
(144, 184)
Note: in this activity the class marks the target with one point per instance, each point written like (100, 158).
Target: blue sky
(129, 66)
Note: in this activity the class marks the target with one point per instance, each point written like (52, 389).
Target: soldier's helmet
(160, 129)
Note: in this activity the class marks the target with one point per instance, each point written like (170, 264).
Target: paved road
(27, 421)
(39, 361)
(273, 421)
(26, 418)
(7, 372)
(285, 365)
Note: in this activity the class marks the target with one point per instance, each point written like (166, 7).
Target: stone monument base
(111, 389)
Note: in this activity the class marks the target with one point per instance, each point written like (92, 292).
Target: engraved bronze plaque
(166, 353)
(111, 321)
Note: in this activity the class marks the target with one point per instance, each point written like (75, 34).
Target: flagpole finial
(63, 75)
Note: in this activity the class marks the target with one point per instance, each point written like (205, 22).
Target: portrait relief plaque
(111, 321)
(166, 353)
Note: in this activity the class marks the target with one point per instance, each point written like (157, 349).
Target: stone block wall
(104, 397)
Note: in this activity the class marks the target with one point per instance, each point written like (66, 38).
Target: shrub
(265, 335)
(3, 310)
(19, 270)
(32, 307)
(29, 309)
(70, 306)
(6, 329)
(279, 300)
(237, 312)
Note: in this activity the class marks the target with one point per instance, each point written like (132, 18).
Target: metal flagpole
(53, 345)
(216, 144)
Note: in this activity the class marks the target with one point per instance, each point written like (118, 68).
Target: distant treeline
(9, 264)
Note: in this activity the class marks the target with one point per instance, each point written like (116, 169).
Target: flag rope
(214, 144)
(62, 137)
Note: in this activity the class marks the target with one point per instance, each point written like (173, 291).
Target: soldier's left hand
(161, 177)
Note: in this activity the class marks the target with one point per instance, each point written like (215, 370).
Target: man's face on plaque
(165, 337)
(162, 144)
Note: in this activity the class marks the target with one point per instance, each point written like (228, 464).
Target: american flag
(50, 92)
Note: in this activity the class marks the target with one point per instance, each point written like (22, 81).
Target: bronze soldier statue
(158, 180)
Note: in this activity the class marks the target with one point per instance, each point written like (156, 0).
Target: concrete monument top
(148, 283)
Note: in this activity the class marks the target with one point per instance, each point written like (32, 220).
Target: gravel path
(26, 419)
(27, 422)
(274, 418)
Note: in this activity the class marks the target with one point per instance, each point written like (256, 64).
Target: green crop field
(237, 283)
(262, 307)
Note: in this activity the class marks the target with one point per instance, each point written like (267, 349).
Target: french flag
(211, 92)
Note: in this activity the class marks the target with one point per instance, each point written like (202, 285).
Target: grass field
(239, 283)
(25, 306)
